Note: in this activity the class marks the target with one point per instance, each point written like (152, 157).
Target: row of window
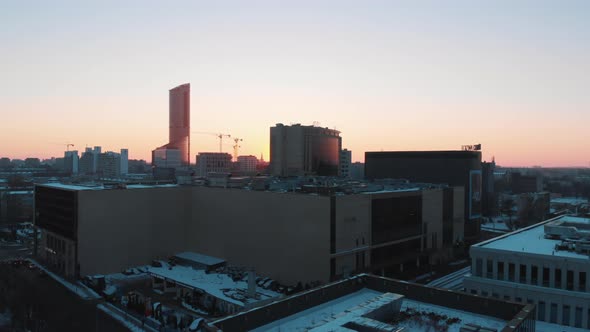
(537, 275)
(552, 317)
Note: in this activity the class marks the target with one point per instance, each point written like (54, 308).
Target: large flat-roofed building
(213, 162)
(298, 150)
(456, 168)
(547, 264)
(377, 304)
(290, 237)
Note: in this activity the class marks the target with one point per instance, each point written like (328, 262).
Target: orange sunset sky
(390, 75)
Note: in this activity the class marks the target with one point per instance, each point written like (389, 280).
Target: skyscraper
(180, 127)
(179, 122)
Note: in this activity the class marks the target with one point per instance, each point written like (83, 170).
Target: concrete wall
(284, 236)
(458, 213)
(118, 229)
(432, 213)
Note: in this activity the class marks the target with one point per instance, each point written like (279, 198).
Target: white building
(213, 162)
(547, 264)
(124, 165)
(345, 163)
(247, 164)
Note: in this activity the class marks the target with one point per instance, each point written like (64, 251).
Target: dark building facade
(456, 168)
(298, 150)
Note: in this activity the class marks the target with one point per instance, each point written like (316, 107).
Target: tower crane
(68, 146)
(218, 135)
(236, 147)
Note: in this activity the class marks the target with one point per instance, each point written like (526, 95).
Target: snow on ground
(451, 281)
(78, 288)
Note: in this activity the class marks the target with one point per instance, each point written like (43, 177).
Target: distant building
(247, 164)
(304, 150)
(71, 162)
(489, 205)
(456, 168)
(546, 264)
(179, 122)
(526, 183)
(32, 162)
(212, 162)
(357, 171)
(5, 162)
(16, 206)
(166, 158)
(345, 163)
(109, 164)
(124, 166)
(87, 163)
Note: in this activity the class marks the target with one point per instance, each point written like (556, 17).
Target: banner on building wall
(475, 194)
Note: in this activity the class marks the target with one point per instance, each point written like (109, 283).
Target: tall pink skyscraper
(180, 121)
(180, 128)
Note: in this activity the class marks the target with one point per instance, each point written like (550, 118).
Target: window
(478, 267)
(534, 274)
(565, 317)
(553, 313)
(557, 278)
(490, 267)
(522, 273)
(570, 280)
(578, 317)
(495, 295)
(500, 270)
(541, 311)
(582, 285)
(518, 299)
(511, 271)
(546, 274)
(507, 297)
(484, 293)
(474, 291)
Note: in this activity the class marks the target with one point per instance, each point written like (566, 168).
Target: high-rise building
(124, 166)
(87, 162)
(345, 163)
(304, 150)
(213, 162)
(179, 123)
(164, 157)
(71, 162)
(109, 164)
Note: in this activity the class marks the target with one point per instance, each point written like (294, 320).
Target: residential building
(304, 150)
(109, 164)
(124, 162)
(213, 162)
(345, 163)
(71, 162)
(371, 303)
(523, 183)
(546, 264)
(247, 164)
(456, 168)
(179, 124)
(312, 235)
(357, 171)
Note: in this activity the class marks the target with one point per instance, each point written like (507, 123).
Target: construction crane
(68, 146)
(236, 147)
(218, 135)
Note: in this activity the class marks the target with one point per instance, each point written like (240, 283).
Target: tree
(507, 209)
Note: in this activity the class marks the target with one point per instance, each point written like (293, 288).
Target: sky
(390, 75)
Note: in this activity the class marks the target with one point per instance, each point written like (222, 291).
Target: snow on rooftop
(218, 285)
(200, 258)
(317, 316)
(569, 200)
(532, 240)
(390, 191)
(76, 187)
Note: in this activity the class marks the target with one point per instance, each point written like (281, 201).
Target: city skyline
(389, 76)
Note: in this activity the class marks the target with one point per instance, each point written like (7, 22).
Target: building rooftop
(200, 258)
(569, 200)
(219, 285)
(353, 310)
(533, 239)
(79, 187)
